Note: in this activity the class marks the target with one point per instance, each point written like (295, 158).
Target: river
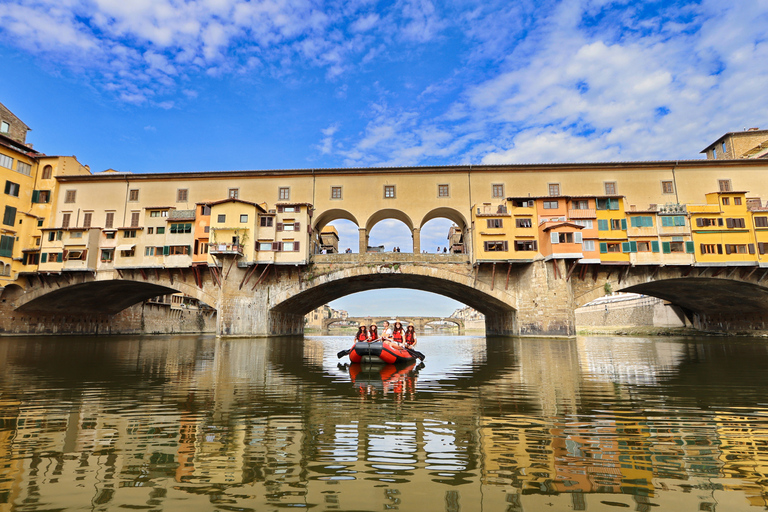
(195, 423)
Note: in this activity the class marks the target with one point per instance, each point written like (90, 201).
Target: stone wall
(642, 312)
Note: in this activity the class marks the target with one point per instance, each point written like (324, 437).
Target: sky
(201, 85)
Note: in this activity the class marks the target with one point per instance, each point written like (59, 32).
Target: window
(761, 222)
(135, 219)
(75, 255)
(494, 223)
(734, 223)
(23, 168)
(610, 247)
(389, 191)
(6, 246)
(672, 220)
(181, 228)
(526, 245)
(76, 234)
(495, 246)
(110, 220)
(40, 222)
(443, 191)
(265, 246)
(643, 247)
(724, 185)
(554, 189)
(133, 194)
(41, 196)
(524, 223)
(12, 189)
(561, 238)
(586, 223)
(233, 193)
(289, 246)
(711, 249)
(4, 127)
(266, 222)
(205, 210)
(497, 190)
(207, 229)
(605, 203)
(588, 245)
(176, 250)
(47, 172)
(65, 218)
(87, 216)
(6, 161)
(150, 251)
(722, 147)
(602, 224)
(643, 221)
(288, 226)
(283, 193)
(129, 233)
(150, 231)
(69, 196)
(158, 213)
(243, 218)
(288, 209)
(182, 195)
(618, 224)
(726, 201)
(704, 222)
(160, 230)
(335, 192)
(581, 204)
(737, 201)
(610, 188)
(550, 205)
(736, 249)
(130, 253)
(667, 187)
(109, 235)
(221, 218)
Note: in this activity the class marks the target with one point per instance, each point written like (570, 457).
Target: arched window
(47, 172)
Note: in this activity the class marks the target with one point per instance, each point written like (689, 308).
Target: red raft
(378, 352)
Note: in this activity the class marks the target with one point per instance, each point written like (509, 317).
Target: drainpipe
(470, 243)
(674, 181)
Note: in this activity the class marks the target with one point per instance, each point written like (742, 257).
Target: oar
(343, 353)
(415, 353)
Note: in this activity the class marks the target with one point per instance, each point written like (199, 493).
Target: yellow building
(760, 226)
(493, 233)
(611, 228)
(723, 230)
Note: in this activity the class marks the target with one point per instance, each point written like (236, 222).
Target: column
(416, 240)
(363, 234)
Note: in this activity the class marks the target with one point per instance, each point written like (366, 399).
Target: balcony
(587, 213)
(224, 249)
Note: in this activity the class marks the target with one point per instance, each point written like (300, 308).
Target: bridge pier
(363, 234)
(416, 240)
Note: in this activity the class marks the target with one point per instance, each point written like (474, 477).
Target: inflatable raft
(378, 352)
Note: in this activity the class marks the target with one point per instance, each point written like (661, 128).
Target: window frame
(182, 195)
(443, 190)
(497, 190)
(608, 185)
(553, 190)
(283, 193)
(667, 187)
(390, 192)
(336, 193)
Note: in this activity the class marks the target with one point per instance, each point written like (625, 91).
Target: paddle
(343, 353)
(415, 353)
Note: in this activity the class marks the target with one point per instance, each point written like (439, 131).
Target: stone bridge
(536, 298)
(419, 322)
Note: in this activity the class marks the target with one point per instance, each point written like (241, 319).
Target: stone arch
(449, 320)
(451, 214)
(11, 292)
(388, 213)
(328, 216)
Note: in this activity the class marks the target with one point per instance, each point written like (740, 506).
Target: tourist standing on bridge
(373, 333)
(410, 336)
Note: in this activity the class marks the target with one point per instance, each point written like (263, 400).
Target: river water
(195, 423)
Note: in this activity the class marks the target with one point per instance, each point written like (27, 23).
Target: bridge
(260, 287)
(419, 322)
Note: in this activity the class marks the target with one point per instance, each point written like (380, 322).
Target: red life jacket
(410, 338)
(362, 337)
(372, 335)
(397, 336)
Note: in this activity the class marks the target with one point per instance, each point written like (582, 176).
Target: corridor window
(133, 195)
(724, 185)
(181, 195)
(6, 161)
(47, 172)
(24, 168)
(389, 191)
(667, 187)
(335, 192)
(554, 189)
(234, 193)
(524, 223)
(497, 190)
(610, 188)
(69, 196)
(283, 193)
(443, 191)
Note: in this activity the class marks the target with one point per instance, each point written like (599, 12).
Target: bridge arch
(388, 213)
(328, 216)
(495, 304)
(451, 214)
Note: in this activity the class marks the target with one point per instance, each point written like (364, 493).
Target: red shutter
(279, 226)
(296, 246)
(279, 209)
(276, 246)
(297, 226)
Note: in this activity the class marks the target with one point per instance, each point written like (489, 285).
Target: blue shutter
(624, 224)
(625, 247)
(655, 246)
(632, 246)
(603, 247)
(689, 247)
(666, 248)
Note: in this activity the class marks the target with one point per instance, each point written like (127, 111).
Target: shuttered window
(6, 246)
(9, 217)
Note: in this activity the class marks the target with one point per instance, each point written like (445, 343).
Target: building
(750, 143)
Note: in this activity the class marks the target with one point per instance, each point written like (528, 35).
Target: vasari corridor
(371, 255)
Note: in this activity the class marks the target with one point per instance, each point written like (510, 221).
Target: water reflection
(170, 423)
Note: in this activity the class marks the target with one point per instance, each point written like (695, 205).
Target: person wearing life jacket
(362, 334)
(410, 336)
(373, 333)
(398, 334)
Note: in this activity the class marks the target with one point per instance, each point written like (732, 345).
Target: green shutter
(44, 258)
(625, 247)
(636, 222)
(602, 225)
(603, 247)
(689, 247)
(666, 221)
(166, 250)
(655, 246)
(60, 257)
(6, 246)
(666, 248)
(632, 246)
(189, 249)
(35, 196)
(679, 220)
(624, 224)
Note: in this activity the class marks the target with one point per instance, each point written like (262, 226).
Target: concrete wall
(642, 312)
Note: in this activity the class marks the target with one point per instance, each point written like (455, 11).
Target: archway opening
(444, 230)
(347, 237)
(390, 235)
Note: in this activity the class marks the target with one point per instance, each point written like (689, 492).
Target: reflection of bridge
(419, 322)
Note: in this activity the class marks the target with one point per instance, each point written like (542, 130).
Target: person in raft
(362, 334)
(373, 333)
(387, 335)
(398, 335)
(410, 336)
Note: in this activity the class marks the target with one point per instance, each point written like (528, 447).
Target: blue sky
(175, 85)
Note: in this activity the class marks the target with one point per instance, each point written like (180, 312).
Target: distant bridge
(419, 322)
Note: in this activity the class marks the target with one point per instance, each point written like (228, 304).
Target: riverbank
(660, 331)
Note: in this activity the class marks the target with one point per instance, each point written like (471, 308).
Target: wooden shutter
(727, 248)
(603, 247)
(700, 222)
(577, 238)
(554, 238)
(666, 248)
(719, 249)
(624, 224)
(87, 219)
(751, 248)
(654, 246)
(295, 246)
(280, 209)
(729, 223)
(689, 247)
(110, 220)
(626, 247)
(506, 246)
(297, 226)
(632, 246)
(135, 219)
(276, 246)
(279, 226)
(44, 258)
(65, 220)
(535, 245)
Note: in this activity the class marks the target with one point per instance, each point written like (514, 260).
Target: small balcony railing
(217, 248)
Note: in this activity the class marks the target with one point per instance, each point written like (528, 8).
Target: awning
(125, 247)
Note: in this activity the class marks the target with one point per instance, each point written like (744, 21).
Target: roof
(233, 200)
(732, 134)
(561, 223)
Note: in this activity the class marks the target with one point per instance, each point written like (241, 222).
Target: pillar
(416, 240)
(363, 234)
